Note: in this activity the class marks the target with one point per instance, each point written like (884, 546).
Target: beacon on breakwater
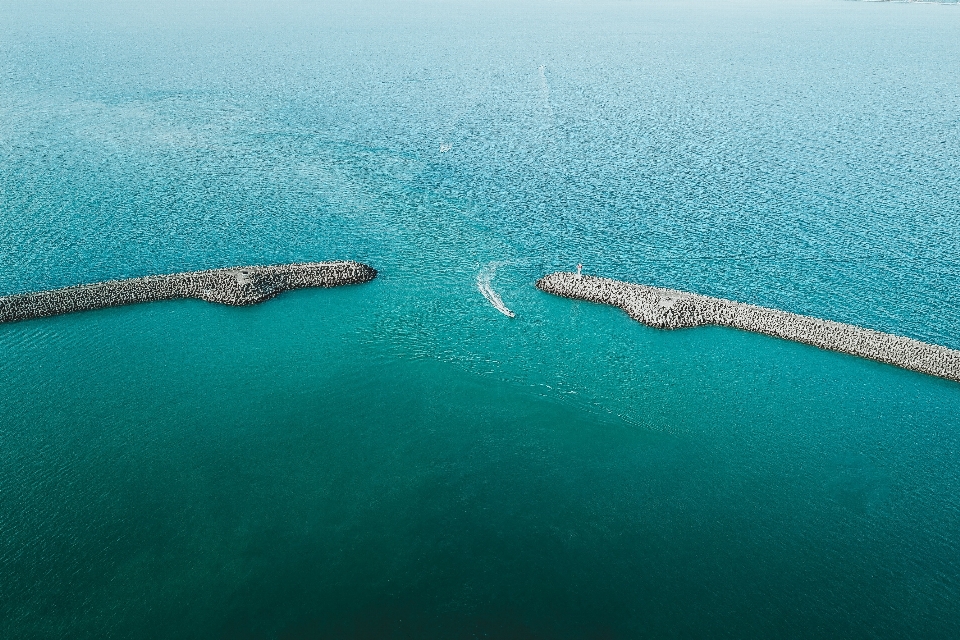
(671, 309)
(237, 286)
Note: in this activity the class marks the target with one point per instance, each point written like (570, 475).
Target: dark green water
(186, 470)
(400, 460)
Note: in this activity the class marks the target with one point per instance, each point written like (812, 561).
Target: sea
(403, 459)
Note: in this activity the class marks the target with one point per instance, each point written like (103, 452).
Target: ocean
(401, 459)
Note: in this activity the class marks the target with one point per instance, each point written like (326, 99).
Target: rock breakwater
(671, 309)
(236, 286)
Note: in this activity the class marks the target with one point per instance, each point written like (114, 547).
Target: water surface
(400, 459)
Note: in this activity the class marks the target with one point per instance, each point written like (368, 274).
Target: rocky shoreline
(236, 286)
(671, 309)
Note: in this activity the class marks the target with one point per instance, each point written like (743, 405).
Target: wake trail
(484, 279)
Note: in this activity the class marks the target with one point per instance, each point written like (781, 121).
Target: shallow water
(401, 459)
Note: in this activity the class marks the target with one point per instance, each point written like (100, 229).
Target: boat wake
(483, 284)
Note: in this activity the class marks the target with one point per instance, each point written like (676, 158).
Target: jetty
(672, 309)
(235, 286)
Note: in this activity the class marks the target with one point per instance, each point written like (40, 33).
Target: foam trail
(483, 284)
(545, 92)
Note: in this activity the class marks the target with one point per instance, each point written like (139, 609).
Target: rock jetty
(671, 309)
(237, 286)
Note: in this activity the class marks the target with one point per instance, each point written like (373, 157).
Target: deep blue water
(398, 459)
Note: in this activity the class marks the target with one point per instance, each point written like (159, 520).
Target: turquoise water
(399, 459)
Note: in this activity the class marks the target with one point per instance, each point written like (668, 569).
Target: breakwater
(671, 309)
(236, 286)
